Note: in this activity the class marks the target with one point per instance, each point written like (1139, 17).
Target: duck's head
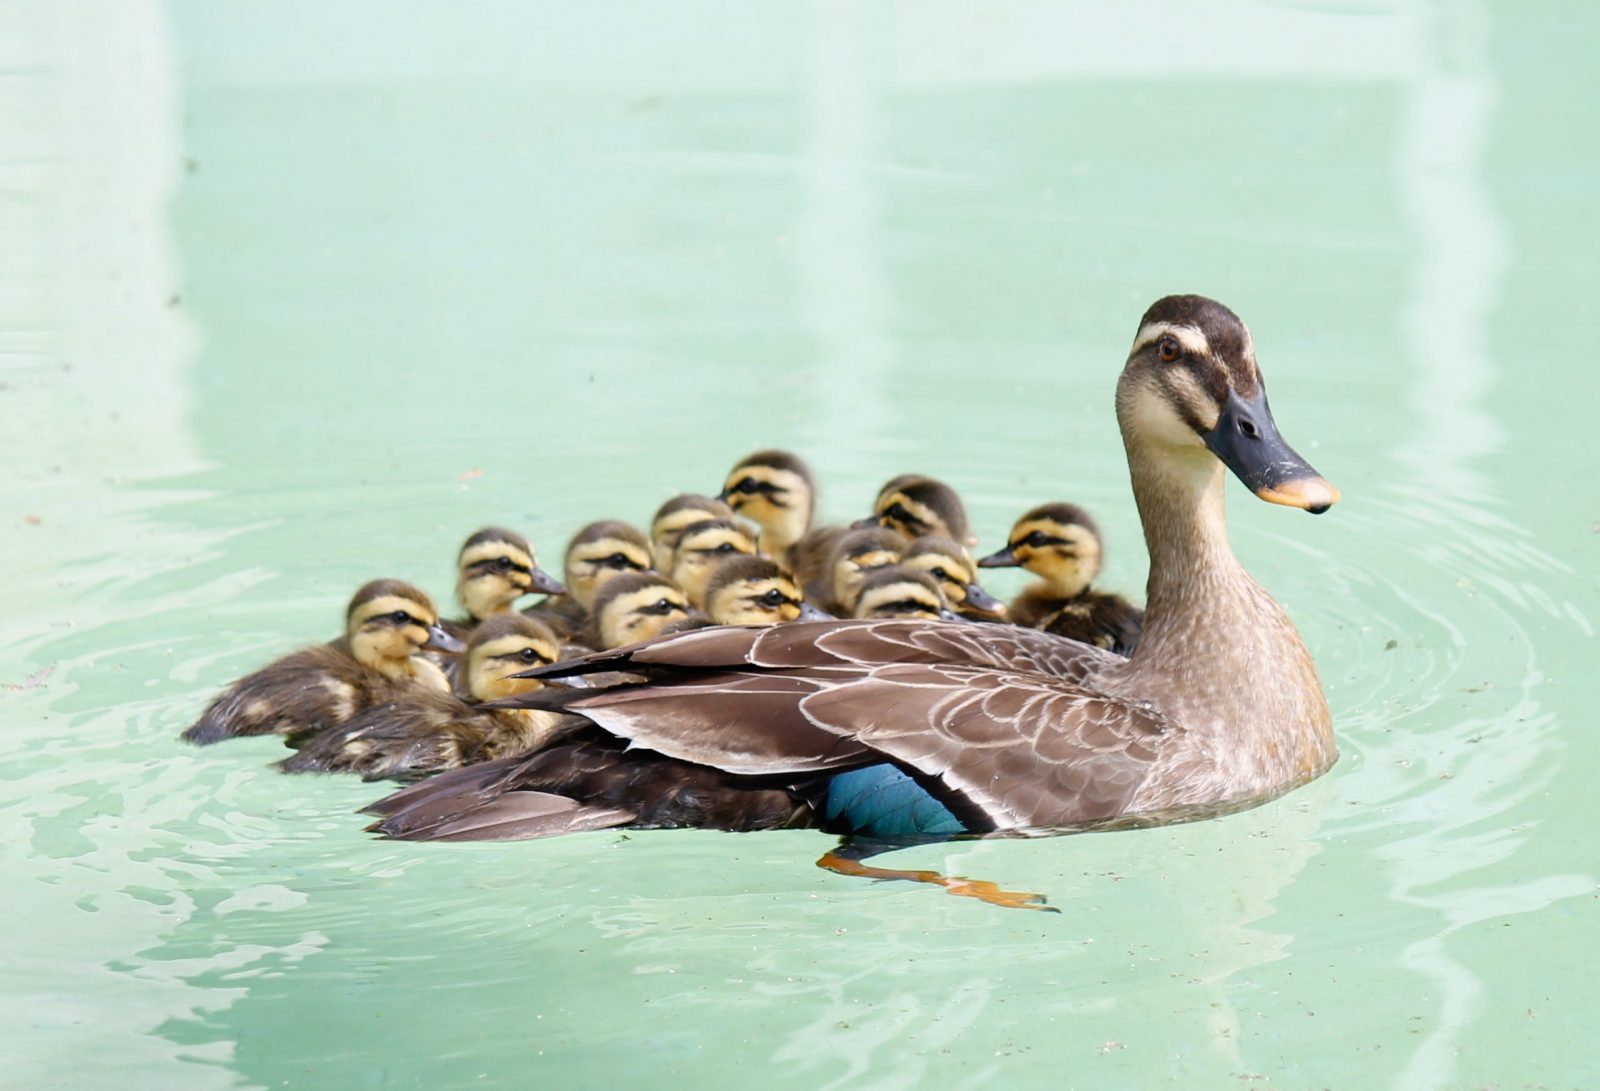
(776, 491)
(495, 568)
(1058, 542)
(953, 570)
(701, 548)
(601, 551)
(916, 506)
(389, 621)
(1191, 390)
(857, 554)
(902, 592)
(676, 516)
(636, 606)
(754, 591)
(501, 647)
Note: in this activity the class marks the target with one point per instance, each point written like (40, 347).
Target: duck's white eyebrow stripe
(1190, 337)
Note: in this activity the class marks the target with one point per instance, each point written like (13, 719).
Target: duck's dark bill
(1247, 441)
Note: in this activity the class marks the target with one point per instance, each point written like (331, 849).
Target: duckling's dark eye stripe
(519, 657)
(495, 564)
(898, 513)
(1035, 543)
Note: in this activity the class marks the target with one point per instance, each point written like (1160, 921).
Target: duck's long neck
(1182, 506)
(1220, 653)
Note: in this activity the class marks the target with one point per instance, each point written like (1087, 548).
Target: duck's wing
(997, 718)
(846, 645)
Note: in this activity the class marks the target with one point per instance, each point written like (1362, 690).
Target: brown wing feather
(1026, 750)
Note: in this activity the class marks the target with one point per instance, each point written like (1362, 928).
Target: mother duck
(888, 728)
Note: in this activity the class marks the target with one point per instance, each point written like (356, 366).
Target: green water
(294, 297)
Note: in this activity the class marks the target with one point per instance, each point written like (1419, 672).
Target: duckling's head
(952, 569)
(501, 647)
(752, 591)
(601, 551)
(636, 606)
(1058, 542)
(701, 548)
(858, 553)
(495, 568)
(901, 592)
(389, 621)
(1191, 390)
(677, 515)
(776, 491)
(916, 505)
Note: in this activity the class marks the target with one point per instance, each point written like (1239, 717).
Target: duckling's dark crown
(609, 528)
(1063, 513)
(377, 589)
(496, 534)
(776, 460)
(899, 573)
(868, 540)
(513, 624)
(629, 582)
(742, 568)
(933, 543)
(694, 530)
(690, 501)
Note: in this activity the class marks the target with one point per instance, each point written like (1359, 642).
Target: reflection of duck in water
(895, 728)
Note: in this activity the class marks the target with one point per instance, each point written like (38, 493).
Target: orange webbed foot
(956, 885)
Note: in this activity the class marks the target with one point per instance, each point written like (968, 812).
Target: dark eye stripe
(492, 564)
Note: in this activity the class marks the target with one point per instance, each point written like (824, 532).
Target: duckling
(701, 548)
(494, 569)
(635, 606)
(1061, 544)
(755, 591)
(598, 552)
(677, 515)
(425, 732)
(916, 505)
(900, 591)
(956, 574)
(776, 491)
(387, 624)
(834, 584)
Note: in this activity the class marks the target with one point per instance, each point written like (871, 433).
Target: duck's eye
(726, 547)
(503, 564)
(940, 573)
(748, 486)
(1169, 350)
(400, 617)
(773, 597)
(1036, 539)
(528, 655)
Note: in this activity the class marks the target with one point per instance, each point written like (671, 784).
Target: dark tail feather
(466, 784)
(206, 730)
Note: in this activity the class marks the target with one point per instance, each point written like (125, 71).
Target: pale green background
(278, 280)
